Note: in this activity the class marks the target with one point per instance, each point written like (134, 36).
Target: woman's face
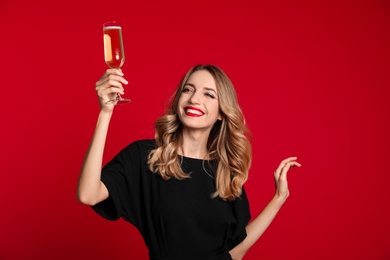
(198, 106)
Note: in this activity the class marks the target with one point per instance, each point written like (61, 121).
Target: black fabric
(178, 219)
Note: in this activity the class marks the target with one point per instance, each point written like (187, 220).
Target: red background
(312, 78)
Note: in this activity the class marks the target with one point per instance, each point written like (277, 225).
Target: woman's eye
(186, 90)
(210, 95)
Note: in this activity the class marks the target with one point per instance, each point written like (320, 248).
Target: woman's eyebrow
(211, 89)
(206, 88)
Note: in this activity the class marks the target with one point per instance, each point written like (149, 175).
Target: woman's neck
(194, 145)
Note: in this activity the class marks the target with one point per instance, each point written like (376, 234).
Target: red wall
(312, 78)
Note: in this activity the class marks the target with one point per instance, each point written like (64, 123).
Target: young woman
(183, 190)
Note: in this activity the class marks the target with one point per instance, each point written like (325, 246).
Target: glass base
(120, 100)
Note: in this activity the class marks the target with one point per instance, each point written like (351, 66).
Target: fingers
(116, 74)
(280, 177)
(285, 165)
(284, 162)
(109, 86)
(114, 79)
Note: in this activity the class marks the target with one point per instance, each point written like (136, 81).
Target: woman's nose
(195, 98)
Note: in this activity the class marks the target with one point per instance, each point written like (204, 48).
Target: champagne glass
(114, 54)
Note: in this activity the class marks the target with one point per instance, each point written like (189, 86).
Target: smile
(193, 111)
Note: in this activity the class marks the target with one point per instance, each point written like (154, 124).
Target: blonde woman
(183, 190)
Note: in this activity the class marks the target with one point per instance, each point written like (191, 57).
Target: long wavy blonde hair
(229, 142)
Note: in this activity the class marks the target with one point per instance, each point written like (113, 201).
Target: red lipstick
(193, 111)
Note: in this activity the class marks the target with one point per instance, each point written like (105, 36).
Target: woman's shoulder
(145, 142)
(137, 149)
(142, 145)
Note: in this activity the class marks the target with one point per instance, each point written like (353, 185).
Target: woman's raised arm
(90, 189)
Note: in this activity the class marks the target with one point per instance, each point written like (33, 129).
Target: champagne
(114, 54)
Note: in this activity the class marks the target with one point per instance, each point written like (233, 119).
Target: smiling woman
(312, 79)
(199, 102)
(210, 134)
(184, 189)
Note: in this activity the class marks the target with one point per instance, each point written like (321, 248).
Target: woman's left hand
(280, 176)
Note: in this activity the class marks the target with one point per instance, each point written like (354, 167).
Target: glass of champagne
(114, 54)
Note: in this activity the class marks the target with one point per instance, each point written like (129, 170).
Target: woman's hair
(229, 142)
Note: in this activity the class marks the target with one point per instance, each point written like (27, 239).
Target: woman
(184, 189)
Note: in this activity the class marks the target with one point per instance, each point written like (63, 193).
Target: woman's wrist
(104, 117)
(105, 113)
(279, 200)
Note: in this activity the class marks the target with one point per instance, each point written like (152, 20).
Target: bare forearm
(90, 190)
(257, 227)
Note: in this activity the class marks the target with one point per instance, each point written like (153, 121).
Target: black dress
(178, 219)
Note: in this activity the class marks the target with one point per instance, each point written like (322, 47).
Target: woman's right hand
(108, 87)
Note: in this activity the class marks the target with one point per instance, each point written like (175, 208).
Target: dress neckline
(194, 159)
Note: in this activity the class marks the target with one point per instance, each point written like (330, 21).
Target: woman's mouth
(193, 111)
